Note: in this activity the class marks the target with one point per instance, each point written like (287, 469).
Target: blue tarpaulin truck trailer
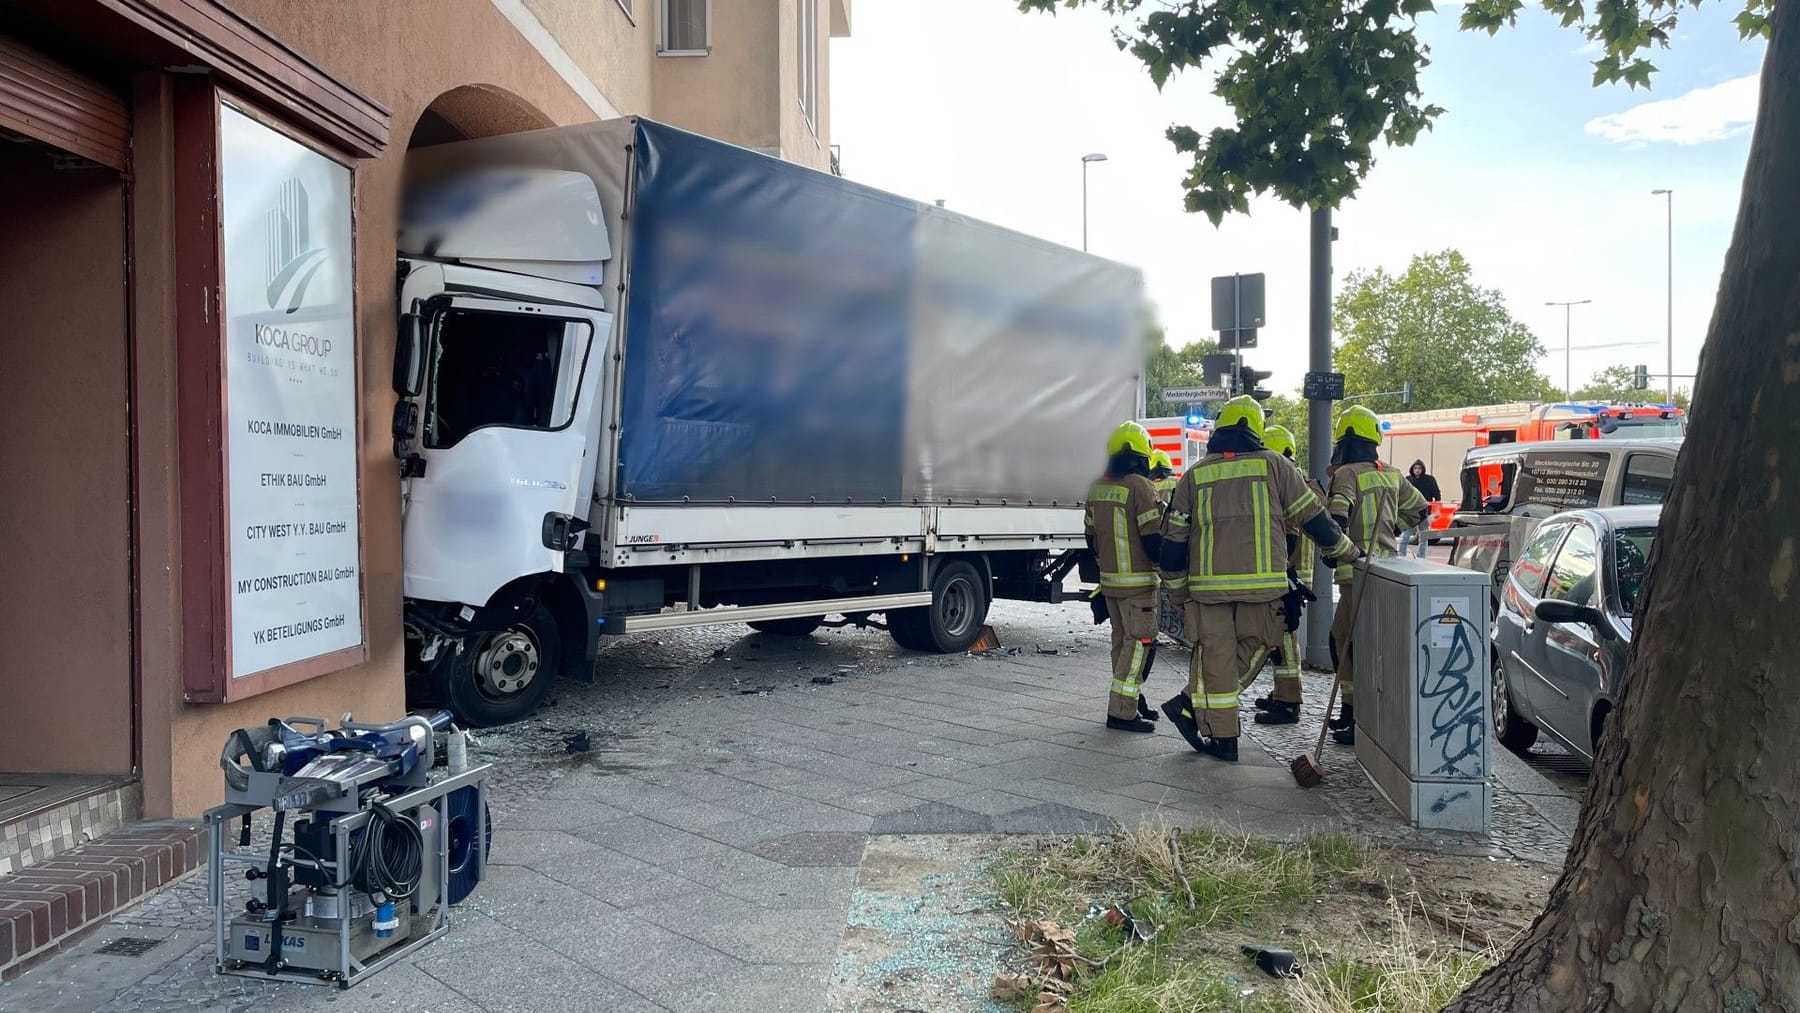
(649, 381)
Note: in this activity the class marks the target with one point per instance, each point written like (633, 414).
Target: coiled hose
(389, 856)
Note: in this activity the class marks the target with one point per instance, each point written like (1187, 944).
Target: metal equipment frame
(349, 971)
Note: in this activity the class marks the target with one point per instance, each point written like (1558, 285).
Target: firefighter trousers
(1231, 640)
(1133, 650)
(1287, 670)
(1342, 650)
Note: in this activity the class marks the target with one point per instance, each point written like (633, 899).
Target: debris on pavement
(577, 741)
(987, 641)
(823, 680)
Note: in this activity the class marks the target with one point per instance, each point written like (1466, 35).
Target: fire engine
(1183, 438)
(1441, 437)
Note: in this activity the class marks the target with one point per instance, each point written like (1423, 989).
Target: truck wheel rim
(508, 663)
(1500, 704)
(957, 607)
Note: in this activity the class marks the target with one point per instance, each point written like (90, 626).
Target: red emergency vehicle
(1183, 438)
(1441, 437)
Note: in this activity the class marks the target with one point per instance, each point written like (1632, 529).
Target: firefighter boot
(1346, 717)
(1220, 749)
(1130, 724)
(1147, 712)
(1278, 712)
(1345, 736)
(1180, 709)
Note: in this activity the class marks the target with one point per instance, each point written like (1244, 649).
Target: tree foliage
(1171, 367)
(1433, 325)
(1314, 86)
(1614, 385)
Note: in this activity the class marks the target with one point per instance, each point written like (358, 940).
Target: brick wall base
(57, 902)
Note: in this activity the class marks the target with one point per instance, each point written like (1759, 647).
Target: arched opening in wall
(474, 110)
(498, 379)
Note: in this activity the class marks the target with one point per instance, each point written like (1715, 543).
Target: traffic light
(1216, 368)
(1249, 381)
(1406, 393)
(1640, 378)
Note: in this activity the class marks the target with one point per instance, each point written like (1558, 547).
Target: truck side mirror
(409, 355)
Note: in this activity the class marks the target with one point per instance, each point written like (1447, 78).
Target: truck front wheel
(959, 605)
(498, 678)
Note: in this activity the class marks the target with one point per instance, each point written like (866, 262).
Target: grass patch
(1208, 892)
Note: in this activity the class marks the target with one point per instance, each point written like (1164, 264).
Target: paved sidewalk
(702, 854)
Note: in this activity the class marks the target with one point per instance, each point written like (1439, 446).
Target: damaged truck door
(493, 497)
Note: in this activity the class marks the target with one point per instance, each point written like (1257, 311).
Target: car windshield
(1631, 558)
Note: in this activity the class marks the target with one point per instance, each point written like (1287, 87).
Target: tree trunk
(1682, 887)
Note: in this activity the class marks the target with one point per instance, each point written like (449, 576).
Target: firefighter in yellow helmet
(1124, 531)
(1224, 554)
(1162, 474)
(1282, 707)
(1371, 502)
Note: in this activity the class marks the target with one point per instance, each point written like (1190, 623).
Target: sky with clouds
(1542, 180)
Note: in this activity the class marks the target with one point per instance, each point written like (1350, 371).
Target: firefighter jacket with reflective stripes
(1232, 511)
(1120, 512)
(1301, 559)
(1375, 498)
(1165, 487)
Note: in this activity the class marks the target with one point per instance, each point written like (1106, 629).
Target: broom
(1308, 772)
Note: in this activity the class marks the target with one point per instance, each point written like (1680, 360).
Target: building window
(686, 26)
(806, 59)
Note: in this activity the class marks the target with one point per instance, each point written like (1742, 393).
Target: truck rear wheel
(798, 627)
(959, 605)
(498, 678)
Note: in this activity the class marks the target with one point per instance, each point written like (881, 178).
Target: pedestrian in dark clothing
(1428, 488)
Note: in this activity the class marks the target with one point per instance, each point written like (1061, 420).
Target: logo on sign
(292, 259)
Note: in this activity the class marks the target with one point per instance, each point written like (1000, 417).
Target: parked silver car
(1564, 625)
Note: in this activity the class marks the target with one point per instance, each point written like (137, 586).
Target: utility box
(1421, 653)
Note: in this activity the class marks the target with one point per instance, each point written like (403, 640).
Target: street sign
(1237, 302)
(1323, 387)
(1193, 395)
(1245, 338)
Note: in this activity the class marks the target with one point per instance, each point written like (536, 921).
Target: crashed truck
(649, 381)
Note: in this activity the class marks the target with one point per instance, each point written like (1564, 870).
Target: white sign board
(1195, 394)
(290, 405)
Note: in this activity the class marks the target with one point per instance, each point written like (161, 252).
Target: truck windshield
(502, 369)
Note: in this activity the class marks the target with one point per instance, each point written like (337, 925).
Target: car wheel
(800, 627)
(501, 677)
(952, 621)
(1513, 731)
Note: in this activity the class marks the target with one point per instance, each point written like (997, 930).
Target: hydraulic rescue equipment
(366, 848)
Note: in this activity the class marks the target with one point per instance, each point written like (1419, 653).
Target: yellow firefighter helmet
(1129, 437)
(1358, 421)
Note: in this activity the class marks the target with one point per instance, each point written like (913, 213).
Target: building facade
(198, 192)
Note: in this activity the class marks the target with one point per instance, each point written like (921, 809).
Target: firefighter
(1224, 556)
(1162, 474)
(1282, 707)
(1370, 502)
(1123, 527)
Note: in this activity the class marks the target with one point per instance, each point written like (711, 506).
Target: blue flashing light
(1195, 419)
(1386, 425)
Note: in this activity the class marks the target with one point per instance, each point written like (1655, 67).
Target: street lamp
(1669, 205)
(1568, 350)
(1085, 161)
